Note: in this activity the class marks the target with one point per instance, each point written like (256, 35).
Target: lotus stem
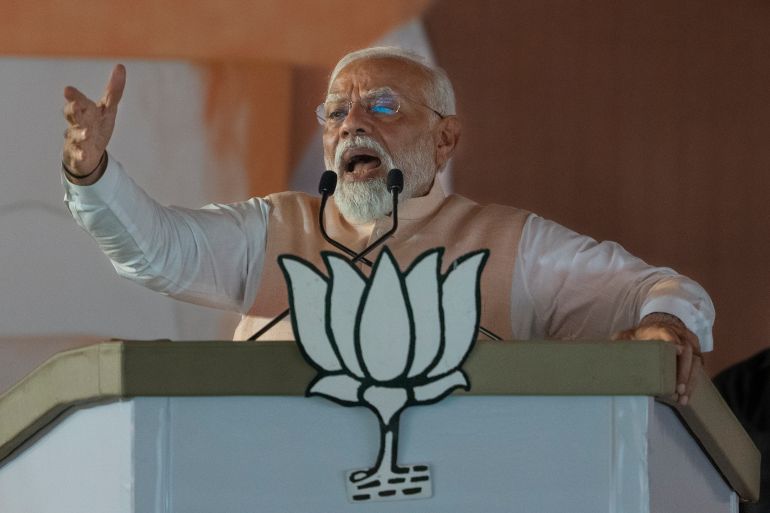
(388, 456)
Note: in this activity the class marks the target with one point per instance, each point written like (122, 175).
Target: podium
(151, 427)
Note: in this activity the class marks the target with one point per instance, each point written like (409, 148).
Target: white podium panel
(290, 454)
(84, 464)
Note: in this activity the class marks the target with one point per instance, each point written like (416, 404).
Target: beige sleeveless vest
(435, 220)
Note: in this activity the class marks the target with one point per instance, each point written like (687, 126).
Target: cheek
(329, 144)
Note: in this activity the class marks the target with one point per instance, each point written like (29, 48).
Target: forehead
(366, 74)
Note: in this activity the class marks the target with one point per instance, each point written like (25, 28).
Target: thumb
(114, 90)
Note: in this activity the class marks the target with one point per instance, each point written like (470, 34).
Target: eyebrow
(334, 96)
(380, 90)
(371, 92)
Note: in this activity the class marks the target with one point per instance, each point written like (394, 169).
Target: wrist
(673, 325)
(88, 178)
(662, 319)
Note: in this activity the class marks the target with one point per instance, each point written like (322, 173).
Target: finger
(697, 363)
(692, 340)
(684, 398)
(693, 345)
(72, 94)
(114, 90)
(683, 369)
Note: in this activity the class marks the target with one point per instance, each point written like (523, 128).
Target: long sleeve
(211, 256)
(568, 286)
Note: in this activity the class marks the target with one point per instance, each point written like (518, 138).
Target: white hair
(440, 94)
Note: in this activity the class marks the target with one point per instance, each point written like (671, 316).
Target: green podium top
(123, 369)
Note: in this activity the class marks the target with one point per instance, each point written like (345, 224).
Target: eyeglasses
(381, 105)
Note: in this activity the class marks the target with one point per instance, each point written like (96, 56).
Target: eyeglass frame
(321, 115)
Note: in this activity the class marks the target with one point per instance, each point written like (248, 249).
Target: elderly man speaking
(384, 109)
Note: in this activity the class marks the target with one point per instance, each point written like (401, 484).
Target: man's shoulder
(462, 202)
(292, 199)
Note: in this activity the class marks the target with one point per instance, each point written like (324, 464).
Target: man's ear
(447, 138)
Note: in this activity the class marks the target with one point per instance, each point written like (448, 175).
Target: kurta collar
(418, 208)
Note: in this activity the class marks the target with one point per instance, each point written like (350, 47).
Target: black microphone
(395, 180)
(326, 187)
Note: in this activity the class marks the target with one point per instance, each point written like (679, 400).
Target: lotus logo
(390, 341)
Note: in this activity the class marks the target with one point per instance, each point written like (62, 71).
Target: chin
(362, 202)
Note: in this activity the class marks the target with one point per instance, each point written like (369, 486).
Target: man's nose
(357, 122)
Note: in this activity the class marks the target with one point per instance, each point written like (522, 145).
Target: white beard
(364, 202)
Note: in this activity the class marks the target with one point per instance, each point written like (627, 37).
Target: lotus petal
(461, 301)
(337, 387)
(307, 298)
(436, 390)
(422, 283)
(386, 401)
(347, 286)
(384, 327)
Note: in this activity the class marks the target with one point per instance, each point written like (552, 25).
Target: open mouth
(361, 163)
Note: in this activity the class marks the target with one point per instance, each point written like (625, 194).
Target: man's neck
(363, 230)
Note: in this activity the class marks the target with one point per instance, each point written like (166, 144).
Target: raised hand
(90, 124)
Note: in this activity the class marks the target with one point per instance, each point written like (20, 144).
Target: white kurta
(564, 285)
